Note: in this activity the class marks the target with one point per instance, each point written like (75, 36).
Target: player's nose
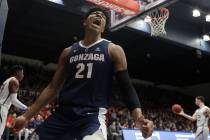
(99, 15)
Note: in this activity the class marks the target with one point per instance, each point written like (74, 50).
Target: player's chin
(95, 30)
(146, 135)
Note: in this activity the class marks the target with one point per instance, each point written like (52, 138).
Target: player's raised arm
(177, 109)
(47, 94)
(130, 96)
(191, 118)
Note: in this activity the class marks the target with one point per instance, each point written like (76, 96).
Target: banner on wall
(135, 134)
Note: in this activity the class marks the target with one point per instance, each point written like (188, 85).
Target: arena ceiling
(41, 29)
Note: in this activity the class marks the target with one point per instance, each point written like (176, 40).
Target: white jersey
(202, 119)
(5, 94)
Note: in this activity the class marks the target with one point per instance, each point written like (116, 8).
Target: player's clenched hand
(181, 112)
(146, 126)
(20, 123)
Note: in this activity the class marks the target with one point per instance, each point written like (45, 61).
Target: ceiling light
(206, 38)
(208, 18)
(196, 13)
(57, 1)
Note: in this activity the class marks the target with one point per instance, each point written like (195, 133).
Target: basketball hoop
(157, 20)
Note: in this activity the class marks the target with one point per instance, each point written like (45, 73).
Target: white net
(157, 20)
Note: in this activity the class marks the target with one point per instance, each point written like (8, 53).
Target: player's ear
(102, 30)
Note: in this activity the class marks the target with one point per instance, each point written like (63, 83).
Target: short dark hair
(201, 98)
(104, 11)
(15, 69)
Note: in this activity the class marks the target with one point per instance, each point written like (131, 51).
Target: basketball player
(8, 95)
(85, 70)
(201, 116)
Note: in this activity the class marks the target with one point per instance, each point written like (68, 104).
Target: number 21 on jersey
(81, 67)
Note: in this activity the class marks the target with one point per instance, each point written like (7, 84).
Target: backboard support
(3, 18)
(119, 20)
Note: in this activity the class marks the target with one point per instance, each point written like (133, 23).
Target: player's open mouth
(97, 22)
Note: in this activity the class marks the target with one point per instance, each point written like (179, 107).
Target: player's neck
(90, 38)
(201, 105)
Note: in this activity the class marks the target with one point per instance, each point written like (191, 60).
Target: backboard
(119, 20)
(3, 18)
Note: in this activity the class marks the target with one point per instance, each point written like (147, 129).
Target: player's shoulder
(115, 49)
(66, 52)
(68, 49)
(114, 46)
(13, 81)
(205, 107)
(196, 111)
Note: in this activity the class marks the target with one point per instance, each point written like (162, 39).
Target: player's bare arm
(47, 94)
(52, 89)
(120, 66)
(191, 118)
